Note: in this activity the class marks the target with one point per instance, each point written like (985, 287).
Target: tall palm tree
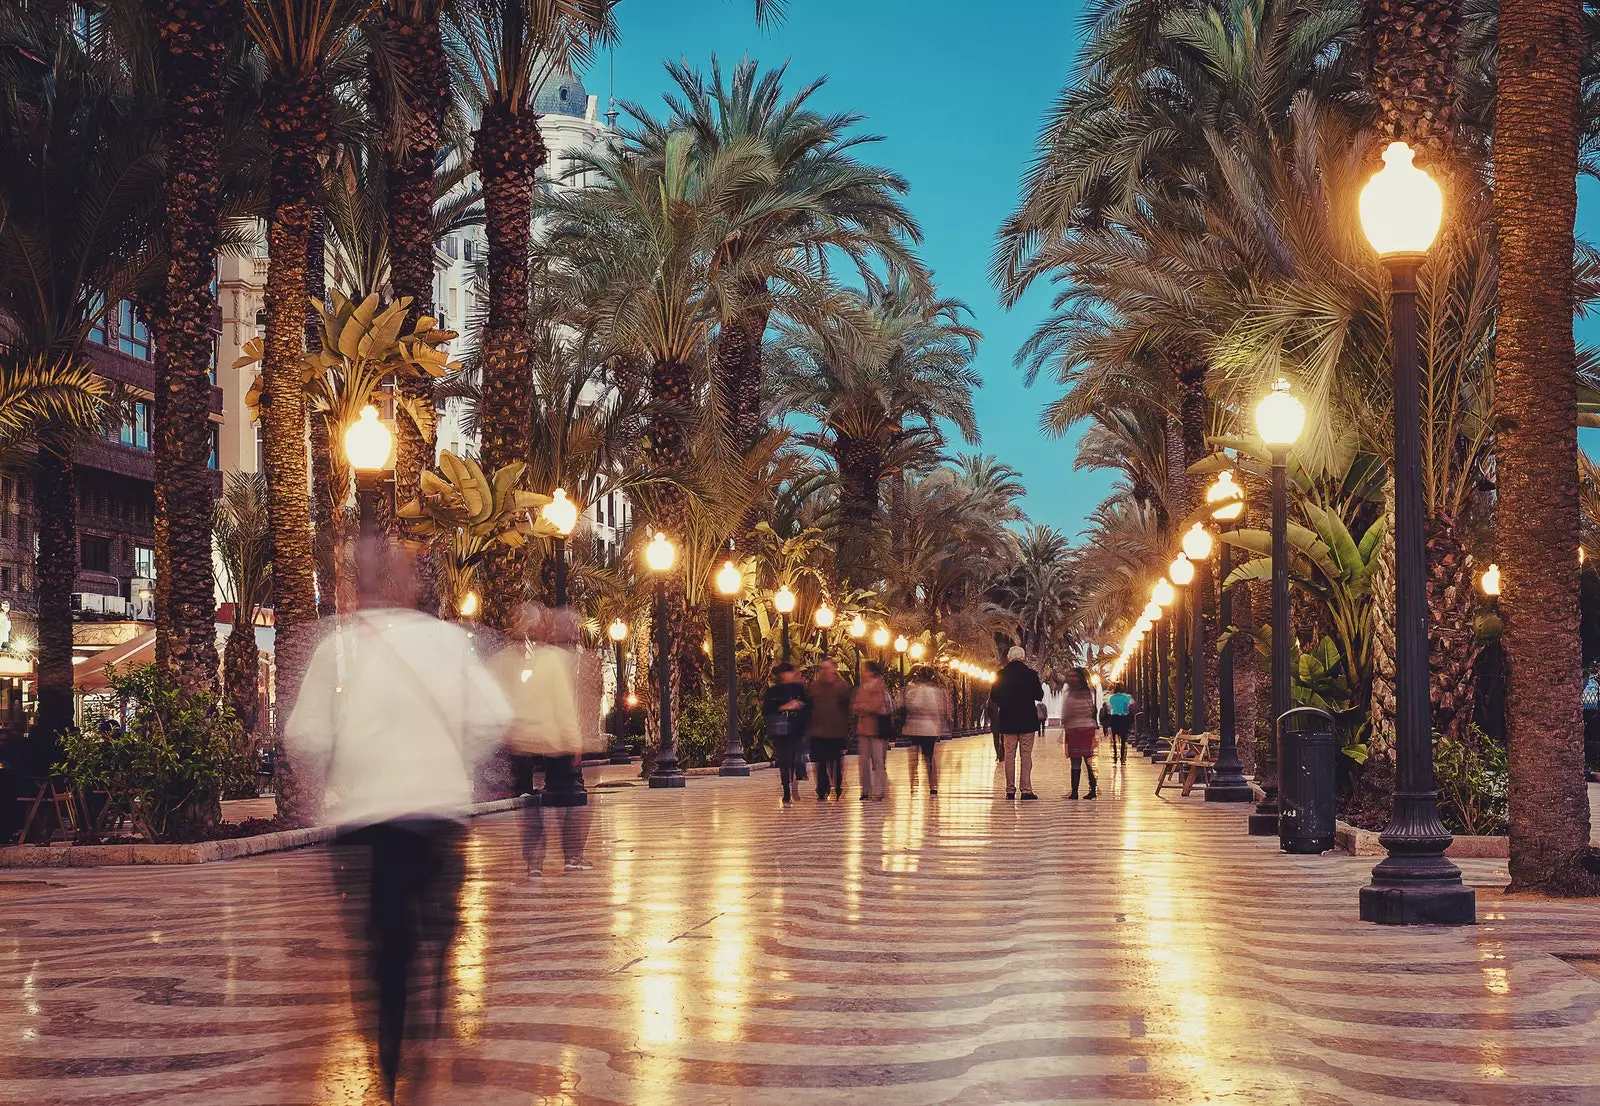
(242, 530)
(1535, 172)
(80, 194)
(503, 51)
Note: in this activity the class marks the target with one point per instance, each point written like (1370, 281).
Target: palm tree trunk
(672, 389)
(327, 508)
(294, 111)
(56, 571)
(738, 374)
(1536, 144)
(1453, 645)
(860, 468)
(507, 153)
(1410, 51)
(195, 36)
(241, 674)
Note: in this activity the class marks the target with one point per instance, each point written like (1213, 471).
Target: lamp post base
(1225, 790)
(1420, 904)
(1263, 825)
(734, 768)
(675, 779)
(619, 752)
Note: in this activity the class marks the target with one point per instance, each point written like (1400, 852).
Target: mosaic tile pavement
(727, 950)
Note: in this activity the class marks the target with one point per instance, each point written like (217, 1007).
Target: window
(94, 554)
(144, 562)
(452, 247)
(261, 449)
(85, 28)
(215, 456)
(466, 249)
(97, 312)
(133, 335)
(135, 430)
(211, 370)
(452, 301)
(5, 579)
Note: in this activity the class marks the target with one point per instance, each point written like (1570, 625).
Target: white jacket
(538, 682)
(395, 715)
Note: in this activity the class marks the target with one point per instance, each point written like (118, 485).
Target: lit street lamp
(661, 555)
(1227, 784)
(858, 632)
(824, 617)
(1401, 209)
(1197, 548)
(1181, 573)
(783, 602)
(369, 447)
(562, 514)
(1163, 595)
(618, 633)
(880, 638)
(730, 582)
(1279, 420)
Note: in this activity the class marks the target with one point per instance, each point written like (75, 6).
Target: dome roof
(562, 94)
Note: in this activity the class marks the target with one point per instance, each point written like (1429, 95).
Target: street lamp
(618, 633)
(369, 447)
(1279, 419)
(858, 632)
(1181, 573)
(783, 602)
(730, 583)
(1197, 548)
(824, 617)
(660, 555)
(562, 514)
(918, 651)
(1401, 209)
(1489, 582)
(1227, 783)
(880, 638)
(900, 647)
(469, 605)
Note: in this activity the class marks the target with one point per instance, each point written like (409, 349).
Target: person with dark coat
(787, 709)
(1015, 700)
(830, 696)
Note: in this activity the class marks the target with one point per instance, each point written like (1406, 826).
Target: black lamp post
(858, 632)
(369, 447)
(563, 776)
(1401, 208)
(1279, 420)
(783, 602)
(1183, 572)
(562, 515)
(621, 753)
(1227, 784)
(730, 582)
(660, 555)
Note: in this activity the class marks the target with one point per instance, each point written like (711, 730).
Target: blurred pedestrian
(787, 709)
(927, 719)
(394, 716)
(1077, 719)
(1015, 696)
(1120, 704)
(830, 696)
(874, 714)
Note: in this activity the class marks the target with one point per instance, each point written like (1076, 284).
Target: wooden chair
(1175, 760)
(52, 810)
(1192, 756)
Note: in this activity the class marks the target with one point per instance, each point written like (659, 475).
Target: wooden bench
(1192, 756)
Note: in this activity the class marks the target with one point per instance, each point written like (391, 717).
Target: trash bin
(1307, 755)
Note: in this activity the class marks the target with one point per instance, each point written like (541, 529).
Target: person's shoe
(1074, 795)
(838, 796)
(1010, 793)
(535, 873)
(786, 796)
(823, 797)
(1029, 795)
(865, 796)
(1092, 793)
(578, 865)
(933, 790)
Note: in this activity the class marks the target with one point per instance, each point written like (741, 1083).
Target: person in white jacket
(394, 717)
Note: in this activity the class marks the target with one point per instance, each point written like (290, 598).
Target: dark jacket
(1015, 695)
(830, 708)
(794, 721)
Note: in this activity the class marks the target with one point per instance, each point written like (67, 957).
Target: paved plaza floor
(724, 949)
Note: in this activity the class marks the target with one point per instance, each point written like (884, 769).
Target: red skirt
(1080, 741)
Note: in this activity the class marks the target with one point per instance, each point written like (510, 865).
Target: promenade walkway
(726, 950)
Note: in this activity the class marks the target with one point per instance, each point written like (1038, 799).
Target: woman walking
(928, 716)
(787, 708)
(873, 710)
(1078, 720)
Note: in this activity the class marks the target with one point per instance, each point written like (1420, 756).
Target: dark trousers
(999, 747)
(400, 883)
(1121, 724)
(1078, 764)
(828, 755)
(786, 751)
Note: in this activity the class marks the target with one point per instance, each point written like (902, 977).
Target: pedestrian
(874, 714)
(1120, 704)
(829, 730)
(1015, 696)
(537, 672)
(1077, 721)
(1104, 718)
(786, 709)
(927, 719)
(393, 719)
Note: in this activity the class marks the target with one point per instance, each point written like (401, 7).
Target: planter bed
(1360, 842)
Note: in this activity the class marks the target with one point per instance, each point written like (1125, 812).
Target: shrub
(702, 732)
(1473, 784)
(169, 764)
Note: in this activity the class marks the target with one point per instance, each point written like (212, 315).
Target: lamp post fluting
(1227, 784)
(660, 555)
(621, 715)
(1401, 208)
(730, 582)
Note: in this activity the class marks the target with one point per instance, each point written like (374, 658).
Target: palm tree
(79, 205)
(1535, 172)
(242, 530)
(503, 51)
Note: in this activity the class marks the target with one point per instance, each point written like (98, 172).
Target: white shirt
(395, 715)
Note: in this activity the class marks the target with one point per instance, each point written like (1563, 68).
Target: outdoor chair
(1192, 756)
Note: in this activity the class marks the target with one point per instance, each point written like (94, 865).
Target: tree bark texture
(860, 466)
(1410, 50)
(1453, 645)
(737, 369)
(1535, 151)
(507, 153)
(241, 675)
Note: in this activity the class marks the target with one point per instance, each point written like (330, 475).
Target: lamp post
(1227, 784)
(730, 582)
(880, 638)
(618, 633)
(824, 617)
(661, 555)
(900, 647)
(562, 514)
(369, 447)
(1161, 597)
(1401, 209)
(1181, 573)
(1197, 547)
(783, 602)
(858, 632)
(1279, 420)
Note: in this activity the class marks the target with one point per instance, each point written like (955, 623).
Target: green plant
(702, 731)
(170, 762)
(1473, 784)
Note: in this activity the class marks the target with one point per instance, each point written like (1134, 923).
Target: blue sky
(957, 93)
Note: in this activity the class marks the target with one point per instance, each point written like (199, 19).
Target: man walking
(1120, 704)
(830, 727)
(1015, 701)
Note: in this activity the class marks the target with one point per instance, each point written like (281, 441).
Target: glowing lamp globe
(918, 650)
(901, 644)
(618, 630)
(880, 636)
(1490, 581)
(1280, 417)
(660, 554)
(560, 512)
(469, 604)
(368, 444)
(783, 600)
(1163, 593)
(1225, 498)
(730, 581)
(858, 627)
(1401, 206)
(1197, 543)
(1094, 678)
(1152, 612)
(823, 617)
(1181, 570)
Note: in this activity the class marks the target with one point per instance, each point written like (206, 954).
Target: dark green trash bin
(1309, 750)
